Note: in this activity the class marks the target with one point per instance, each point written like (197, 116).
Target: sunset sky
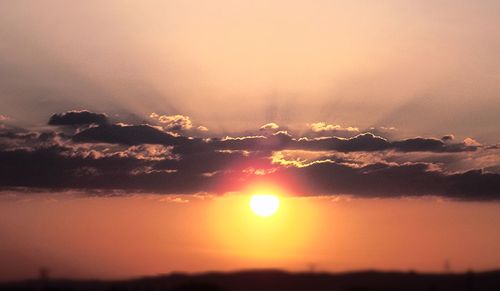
(134, 134)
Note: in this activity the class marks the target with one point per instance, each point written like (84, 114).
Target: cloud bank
(98, 155)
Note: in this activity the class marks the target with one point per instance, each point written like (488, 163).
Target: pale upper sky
(236, 64)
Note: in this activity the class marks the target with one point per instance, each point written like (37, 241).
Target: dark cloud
(429, 145)
(366, 142)
(19, 135)
(362, 142)
(217, 172)
(281, 140)
(374, 180)
(474, 185)
(56, 168)
(392, 180)
(125, 134)
(145, 158)
(448, 137)
(81, 117)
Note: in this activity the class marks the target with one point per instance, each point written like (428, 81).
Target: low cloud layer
(154, 158)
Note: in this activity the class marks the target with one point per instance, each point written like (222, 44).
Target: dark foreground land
(278, 280)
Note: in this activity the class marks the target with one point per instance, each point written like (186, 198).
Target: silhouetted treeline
(280, 281)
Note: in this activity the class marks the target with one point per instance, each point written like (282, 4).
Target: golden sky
(88, 237)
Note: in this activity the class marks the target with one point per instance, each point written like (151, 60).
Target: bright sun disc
(264, 204)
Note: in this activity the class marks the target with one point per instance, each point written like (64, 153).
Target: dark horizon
(277, 280)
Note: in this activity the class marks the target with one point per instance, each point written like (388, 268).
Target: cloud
(269, 129)
(57, 168)
(179, 124)
(393, 180)
(81, 117)
(370, 142)
(270, 126)
(281, 140)
(471, 142)
(389, 132)
(146, 158)
(202, 128)
(430, 145)
(325, 129)
(448, 137)
(173, 122)
(125, 134)
(219, 171)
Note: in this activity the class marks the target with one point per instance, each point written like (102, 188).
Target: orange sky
(119, 237)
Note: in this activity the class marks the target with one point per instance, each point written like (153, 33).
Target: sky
(132, 135)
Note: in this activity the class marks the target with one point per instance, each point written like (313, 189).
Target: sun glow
(264, 204)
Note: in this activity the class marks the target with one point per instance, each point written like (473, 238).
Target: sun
(264, 204)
